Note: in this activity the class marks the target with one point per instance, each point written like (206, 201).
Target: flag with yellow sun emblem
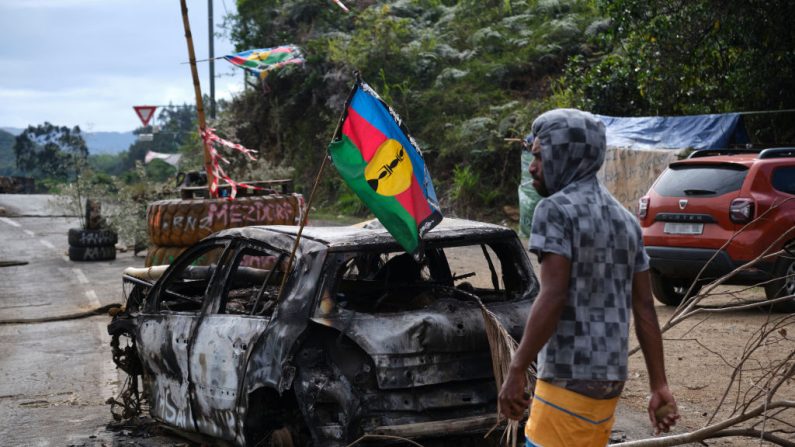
(382, 164)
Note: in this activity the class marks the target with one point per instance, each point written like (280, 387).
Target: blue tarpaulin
(675, 132)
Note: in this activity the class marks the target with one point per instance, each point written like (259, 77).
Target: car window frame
(234, 259)
(152, 300)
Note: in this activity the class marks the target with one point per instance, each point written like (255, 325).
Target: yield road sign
(145, 113)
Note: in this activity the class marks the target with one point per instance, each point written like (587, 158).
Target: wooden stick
(301, 229)
(314, 187)
(204, 60)
(208, 167)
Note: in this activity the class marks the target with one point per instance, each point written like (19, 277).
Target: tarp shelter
(639, 149)
(675, 132)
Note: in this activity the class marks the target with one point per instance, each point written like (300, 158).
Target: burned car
(357, 339)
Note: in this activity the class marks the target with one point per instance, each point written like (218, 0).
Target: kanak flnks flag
(382, 164)
(263, 60)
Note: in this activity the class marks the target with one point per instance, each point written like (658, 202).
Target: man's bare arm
(662, 406)
(541, 324)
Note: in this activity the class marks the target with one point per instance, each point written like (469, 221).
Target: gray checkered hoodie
(583, 222)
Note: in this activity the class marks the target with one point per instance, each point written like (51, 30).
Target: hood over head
(573, 146)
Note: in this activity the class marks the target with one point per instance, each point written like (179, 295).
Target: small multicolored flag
(263, 60)
(382, 164)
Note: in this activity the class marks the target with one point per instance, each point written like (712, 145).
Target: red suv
(698, 204)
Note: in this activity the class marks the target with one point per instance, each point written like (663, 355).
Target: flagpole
(314, 187)
(204, 60)
(208, 167)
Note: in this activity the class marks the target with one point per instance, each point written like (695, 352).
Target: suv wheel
(783, 284)
(671, 292)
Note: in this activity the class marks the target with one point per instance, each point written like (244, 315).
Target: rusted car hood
(443, 343)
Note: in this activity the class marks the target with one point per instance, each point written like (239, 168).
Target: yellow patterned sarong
(563, 418)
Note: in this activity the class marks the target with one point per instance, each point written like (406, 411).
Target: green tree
(47, 150)
(700, 56)
(175, 125)
(7, 157)
(463, 75)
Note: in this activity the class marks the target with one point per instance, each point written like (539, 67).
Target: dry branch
(716, 430)
(756, 378)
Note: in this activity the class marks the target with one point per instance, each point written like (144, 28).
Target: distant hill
(8, 164)
(108, 142)
(98, 142)
(14, 131)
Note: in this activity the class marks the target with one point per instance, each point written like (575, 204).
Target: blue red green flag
(382, 164)
(263, 60)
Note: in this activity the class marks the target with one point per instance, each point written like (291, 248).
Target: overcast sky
(88, 62)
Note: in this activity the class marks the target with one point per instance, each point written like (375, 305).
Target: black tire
(79, 237)
(671, 292)
(90, 254)
(282, 437)
(274, 421)
(783, 284)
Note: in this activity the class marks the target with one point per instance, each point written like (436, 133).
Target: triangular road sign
(145, 113)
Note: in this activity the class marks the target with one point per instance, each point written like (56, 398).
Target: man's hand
(662, 406)
(514, 399)
(662, 410)
(541, 323)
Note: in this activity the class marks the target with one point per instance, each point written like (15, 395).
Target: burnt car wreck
(362, 340)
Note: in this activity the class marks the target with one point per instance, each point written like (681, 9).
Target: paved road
(54, 377)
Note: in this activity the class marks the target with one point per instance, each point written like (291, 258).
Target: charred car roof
(370, 233)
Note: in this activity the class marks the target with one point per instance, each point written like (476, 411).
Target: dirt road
(701, 355)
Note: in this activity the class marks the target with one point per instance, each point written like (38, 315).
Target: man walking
(594, 271)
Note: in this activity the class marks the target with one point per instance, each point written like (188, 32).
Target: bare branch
(751, 433)
(710, 431)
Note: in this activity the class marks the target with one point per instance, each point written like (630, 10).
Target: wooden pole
(212, 56)
(208, 167)
(314, 187)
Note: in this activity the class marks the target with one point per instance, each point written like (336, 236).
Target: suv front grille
(686, 218)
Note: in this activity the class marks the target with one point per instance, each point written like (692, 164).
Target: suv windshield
(700, 180)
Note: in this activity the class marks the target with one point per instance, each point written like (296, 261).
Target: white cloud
(107, 102)
(63, 4)
(73, 62)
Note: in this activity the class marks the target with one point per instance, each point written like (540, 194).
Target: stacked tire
(92, 245)
(176, 224)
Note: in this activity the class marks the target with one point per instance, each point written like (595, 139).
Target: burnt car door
(167, 324)
(226, 333)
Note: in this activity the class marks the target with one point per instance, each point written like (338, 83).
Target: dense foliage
(692, 57)
(464, 75)
(8, 162)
